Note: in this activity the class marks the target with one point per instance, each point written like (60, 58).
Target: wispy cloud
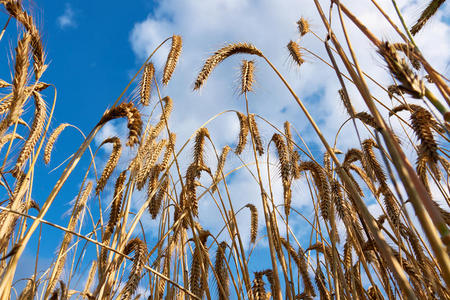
(67, 19)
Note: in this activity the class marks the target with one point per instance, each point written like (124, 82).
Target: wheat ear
(156, 201)
(90, 278)
(256, 135)
(300, 261)
(294, 52)
(110, 164)
(146, 83)
(140, 254)
(219, 56)
(285, 170)
(321, 286)
(169, 151)
(35, 132)
(51, 141)
(303, 26)
(258, 289)
(320, 179)
(410, 82)
(129, 111)
(220, 165)
(222, 272)
(247, 70)
(15, 9)
(61, 258)
(199, 146)
(172, 58)
(20, 78)
(243, 133)
(293, 155)
(429, 11)
(115, 206)
(253, 222)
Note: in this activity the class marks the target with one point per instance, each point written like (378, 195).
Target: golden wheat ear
(172, 58)
(285, 170)
(253, 222)
(146, 83)
(140, 254)
(129, 111)
(220, 165)
(258, 289)
(410, 82)
(294, 52)
(299, 259)
(321, 181)
(110, 164)
(219, 56)
(51, 142)
(256, 135)
(247, 70)
(35, 132)
(223, 280)
(243, 133)
(303, 26)
(62, 255)
(429, 11)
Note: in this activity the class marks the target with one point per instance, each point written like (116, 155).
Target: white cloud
(208, 25)
(67, 19)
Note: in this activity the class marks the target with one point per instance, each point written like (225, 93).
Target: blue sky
(94, 47)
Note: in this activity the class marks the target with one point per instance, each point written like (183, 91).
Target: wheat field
(344, 250)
